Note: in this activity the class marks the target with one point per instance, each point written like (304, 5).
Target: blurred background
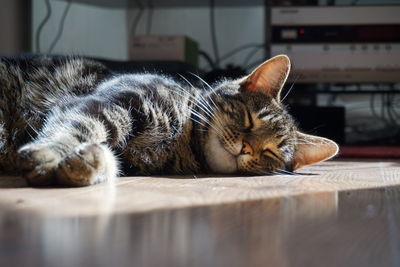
(345, 80)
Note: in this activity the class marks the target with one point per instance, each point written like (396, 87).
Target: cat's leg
(38, 162)
(74, 147)
(84, 164)
(89, 163)
(4, 158)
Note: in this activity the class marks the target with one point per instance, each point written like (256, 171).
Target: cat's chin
(218, 158)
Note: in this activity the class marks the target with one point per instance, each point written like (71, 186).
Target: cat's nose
(246, 149)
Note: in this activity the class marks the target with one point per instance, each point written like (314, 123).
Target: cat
(70, 121)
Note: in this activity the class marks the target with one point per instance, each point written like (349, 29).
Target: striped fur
(71, 122)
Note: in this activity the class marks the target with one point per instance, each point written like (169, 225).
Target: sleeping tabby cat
(69, 121)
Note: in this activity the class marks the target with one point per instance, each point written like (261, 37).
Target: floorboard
(337, 213)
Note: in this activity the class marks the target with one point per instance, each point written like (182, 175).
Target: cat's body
(70, 121)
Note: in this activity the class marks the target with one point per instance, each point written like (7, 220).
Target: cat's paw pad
(38, 163)
(85, 166)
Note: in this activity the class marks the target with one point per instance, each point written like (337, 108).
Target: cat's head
(250, 131)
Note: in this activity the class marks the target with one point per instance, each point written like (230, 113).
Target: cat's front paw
(38, 163)
(88, 164)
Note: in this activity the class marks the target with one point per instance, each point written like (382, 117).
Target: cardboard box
(163, 48)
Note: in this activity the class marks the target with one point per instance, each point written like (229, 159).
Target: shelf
(167, 3)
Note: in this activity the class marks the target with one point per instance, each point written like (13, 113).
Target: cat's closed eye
(268, 153)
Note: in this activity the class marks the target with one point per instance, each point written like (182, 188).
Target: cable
(254, 64)
(150, 17)
(237, 50)
(250, 55)
(391, 115)
(207, 58)
(60, 27)
(213, 32)
(372, 106)
(135, 22)
(41, 25)
(383, 108)
(393, 106)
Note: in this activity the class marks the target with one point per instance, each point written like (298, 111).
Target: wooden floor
(338, 213)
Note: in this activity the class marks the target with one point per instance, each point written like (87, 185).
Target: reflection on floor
(340, 213)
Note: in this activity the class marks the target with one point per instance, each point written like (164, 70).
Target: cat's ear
(312, 149)
(269, 77)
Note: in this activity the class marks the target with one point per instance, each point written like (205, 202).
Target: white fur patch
(219, 160)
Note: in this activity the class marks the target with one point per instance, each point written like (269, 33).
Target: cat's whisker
(291, 87)
(219, 130)
(203, 81)
(218, 124)
(196, 103)
(211, 102)
(198, 115)
(209, 96)
(209, 87)
(212, 90)
(276, 173)
(263, 172)
(203, 101)
(30, 135)
(194, 120)
(207, 103)
(307, 143)
(186, 80)
(204, 107)
(36, 131)
(311, 144)
(303, 141)
(207, 125)
(285, 172)
(210, 112)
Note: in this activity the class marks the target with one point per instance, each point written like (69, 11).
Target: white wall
(88, 30)
(102, 32)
